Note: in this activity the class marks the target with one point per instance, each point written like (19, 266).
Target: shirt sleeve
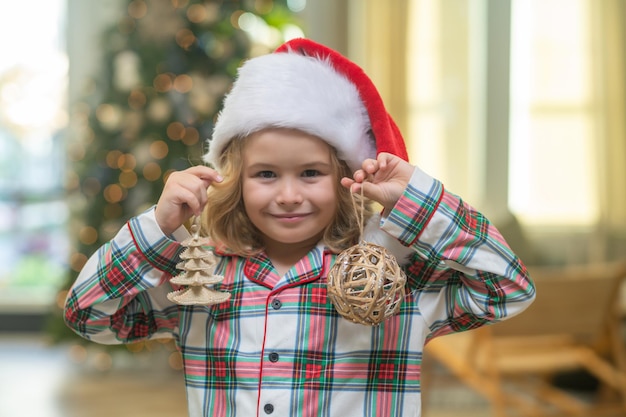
(120, 295)
(463, 274)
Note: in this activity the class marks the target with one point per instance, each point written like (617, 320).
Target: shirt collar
(310, 268)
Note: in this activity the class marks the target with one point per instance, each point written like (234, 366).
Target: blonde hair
(226, 222)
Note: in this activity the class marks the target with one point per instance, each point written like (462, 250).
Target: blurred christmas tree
(166, 67)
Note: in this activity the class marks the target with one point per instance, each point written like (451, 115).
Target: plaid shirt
(278, 347)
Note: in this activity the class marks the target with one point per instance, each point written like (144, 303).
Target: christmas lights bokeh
(167, 65)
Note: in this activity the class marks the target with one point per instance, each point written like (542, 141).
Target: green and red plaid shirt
(278, 347)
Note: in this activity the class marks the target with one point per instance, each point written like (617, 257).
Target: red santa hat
(312, 88)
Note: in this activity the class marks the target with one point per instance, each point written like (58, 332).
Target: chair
(574, 324)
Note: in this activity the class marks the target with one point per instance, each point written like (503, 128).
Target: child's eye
(310, 173)
(266, 174)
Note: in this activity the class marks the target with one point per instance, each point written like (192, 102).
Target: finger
(199, 192)
(346, 182)
(364, 188)
(383, 159)
(355, 187)
(185, 188)
(187, 198)
(206, 174)
(369, 166)
(351, 184)
(188, 181)
(359, 176)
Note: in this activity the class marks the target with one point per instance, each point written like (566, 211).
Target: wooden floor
(39, 380)
(64, 381)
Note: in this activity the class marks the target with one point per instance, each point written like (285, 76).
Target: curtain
(608, 26)
(377, 39)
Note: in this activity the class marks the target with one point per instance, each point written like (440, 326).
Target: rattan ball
(366, 285)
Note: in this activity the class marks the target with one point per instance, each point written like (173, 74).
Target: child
(302, 131)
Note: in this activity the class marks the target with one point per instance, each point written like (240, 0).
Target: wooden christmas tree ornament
(197, 265)
(366, 285)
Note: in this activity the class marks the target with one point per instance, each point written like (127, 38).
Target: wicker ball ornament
(366, 285)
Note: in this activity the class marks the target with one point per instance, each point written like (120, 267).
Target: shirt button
(268, 408)
(277, 304)
(273, 357)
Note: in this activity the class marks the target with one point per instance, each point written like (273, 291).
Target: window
(33, 213)
(552, 173)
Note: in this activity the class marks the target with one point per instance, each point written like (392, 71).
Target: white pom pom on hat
(307, 86)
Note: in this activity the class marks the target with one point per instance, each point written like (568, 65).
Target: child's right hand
(184, 195)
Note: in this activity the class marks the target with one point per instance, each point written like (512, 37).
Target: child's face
(289, 186)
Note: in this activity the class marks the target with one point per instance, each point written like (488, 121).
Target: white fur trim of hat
(295, 91)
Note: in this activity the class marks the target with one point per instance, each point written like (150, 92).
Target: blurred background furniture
(574, 325)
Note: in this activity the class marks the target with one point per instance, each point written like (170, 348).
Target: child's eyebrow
(316, 164)
(305, 165)
(260, 166)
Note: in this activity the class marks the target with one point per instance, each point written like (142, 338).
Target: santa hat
(312, 88)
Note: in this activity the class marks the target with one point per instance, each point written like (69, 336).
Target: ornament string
(359, 213)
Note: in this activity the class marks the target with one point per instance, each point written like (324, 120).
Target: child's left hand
(383, 179)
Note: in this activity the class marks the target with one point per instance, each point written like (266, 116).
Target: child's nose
(290, 193)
